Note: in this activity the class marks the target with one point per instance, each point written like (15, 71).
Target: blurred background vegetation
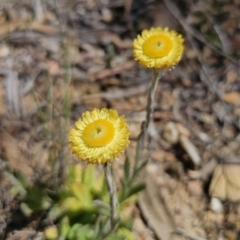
(60, 58)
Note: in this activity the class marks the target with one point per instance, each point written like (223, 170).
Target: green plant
(80, 210)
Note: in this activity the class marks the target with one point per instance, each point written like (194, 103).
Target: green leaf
(72, 232)
(87, 217)
(74, 207)
(51, 233)
(19, 183)
(126, 223)
(21, 178)
(89, 176)
(103, 208)
(127, 167)
(74, 174)
(97, 226)
(126, 233)
(105, 193)
(37, 199)
(121, 193)
(85, 232)
(71, 205)
(142, 165)
(81, 192)
(26, 210)
(98, 185)
(116, 237)
(135, 189)
(64, 227)
(81, 232)
(54, 212)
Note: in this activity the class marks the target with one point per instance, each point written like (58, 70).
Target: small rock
(4, 50)
(170, 133)
(106, 15)
(216, 205)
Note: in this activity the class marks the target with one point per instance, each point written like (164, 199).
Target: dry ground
(63, 57)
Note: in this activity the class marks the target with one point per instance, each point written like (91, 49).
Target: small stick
(38, 10)
(182, 232)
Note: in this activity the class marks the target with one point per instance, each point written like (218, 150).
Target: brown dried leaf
(29, 104)
(225, 183)
(154, 209)
(11, 151)
(232, 75)
(43, 28)
(183, 130)
(9, 27)
(53, 67)
(232, 97)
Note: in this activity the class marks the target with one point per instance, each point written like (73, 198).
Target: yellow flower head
(158, 48)
(100, 136)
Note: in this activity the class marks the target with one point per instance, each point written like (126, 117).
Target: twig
(221, 35)
(176, 13)
(38, 10)
(118, 94)
(204, 75)
(181, 231)
(12, 91)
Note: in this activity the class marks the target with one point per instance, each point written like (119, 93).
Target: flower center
(157, 46)
(98, 133)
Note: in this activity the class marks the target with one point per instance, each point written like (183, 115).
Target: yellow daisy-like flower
(100, 136)
(158, 48)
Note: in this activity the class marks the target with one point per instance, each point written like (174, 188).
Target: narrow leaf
(142, 165)
(127, 167)
(136, 188)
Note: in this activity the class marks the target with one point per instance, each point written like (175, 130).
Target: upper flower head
(158, 48)
(99, 136)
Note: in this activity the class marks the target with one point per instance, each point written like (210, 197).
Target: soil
(61, 58)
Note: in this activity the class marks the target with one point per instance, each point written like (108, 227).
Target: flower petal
(158, 48)
(106, 151)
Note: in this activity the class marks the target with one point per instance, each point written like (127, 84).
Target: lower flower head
(100, 136)
(158, 48)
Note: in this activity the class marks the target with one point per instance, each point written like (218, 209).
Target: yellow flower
(100, 136)
(158, 48)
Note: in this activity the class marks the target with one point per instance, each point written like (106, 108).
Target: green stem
(111, 223)
(113, 195)
(149, 117)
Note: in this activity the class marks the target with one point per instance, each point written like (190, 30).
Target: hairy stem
(149, 115)
(113, 194)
